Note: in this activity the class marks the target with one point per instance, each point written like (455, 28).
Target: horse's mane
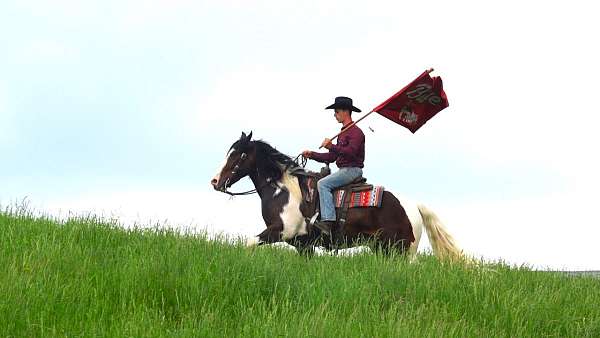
(270, 161)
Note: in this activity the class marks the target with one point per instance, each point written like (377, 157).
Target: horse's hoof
(252, 242)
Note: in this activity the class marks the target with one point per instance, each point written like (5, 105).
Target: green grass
(88, 277)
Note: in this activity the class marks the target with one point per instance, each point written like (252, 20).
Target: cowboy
(348, 154)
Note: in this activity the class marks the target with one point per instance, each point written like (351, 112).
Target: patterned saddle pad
(363, 198)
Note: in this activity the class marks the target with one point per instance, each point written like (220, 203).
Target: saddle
(357, 193)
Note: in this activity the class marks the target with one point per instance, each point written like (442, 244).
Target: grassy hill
(87, 277)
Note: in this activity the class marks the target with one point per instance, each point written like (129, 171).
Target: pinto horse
(395, 225)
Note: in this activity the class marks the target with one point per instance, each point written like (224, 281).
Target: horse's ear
(250, 135)
(243, 137)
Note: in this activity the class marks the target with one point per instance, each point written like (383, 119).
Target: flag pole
(349, 126)
(362, 118)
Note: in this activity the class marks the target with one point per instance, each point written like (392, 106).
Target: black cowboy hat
(342, 102)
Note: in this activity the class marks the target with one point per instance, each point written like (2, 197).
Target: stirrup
(313, 219)
(326, 231)
(314, 223)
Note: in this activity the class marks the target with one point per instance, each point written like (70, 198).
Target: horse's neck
(262, 186)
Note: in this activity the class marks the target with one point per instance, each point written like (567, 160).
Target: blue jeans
(328, 183)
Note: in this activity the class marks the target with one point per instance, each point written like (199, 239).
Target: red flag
(416, 103)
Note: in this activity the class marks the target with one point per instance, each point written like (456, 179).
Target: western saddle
(310, 202)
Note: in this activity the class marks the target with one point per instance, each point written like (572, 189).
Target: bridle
(233, 172)
(243, 156)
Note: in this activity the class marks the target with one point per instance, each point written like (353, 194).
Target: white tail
(442, 243)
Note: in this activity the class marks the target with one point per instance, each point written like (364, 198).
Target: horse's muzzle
(222, 186)
(215, 183)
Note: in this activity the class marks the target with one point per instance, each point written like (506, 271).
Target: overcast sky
(126, 108)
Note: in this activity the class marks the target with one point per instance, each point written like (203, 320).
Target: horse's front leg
(271, 235)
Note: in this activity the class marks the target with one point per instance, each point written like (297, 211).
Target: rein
(249, 192)
(255, 190)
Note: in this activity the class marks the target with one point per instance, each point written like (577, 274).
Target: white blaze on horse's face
(215, 181)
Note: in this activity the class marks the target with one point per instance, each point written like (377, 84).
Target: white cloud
(557, 231)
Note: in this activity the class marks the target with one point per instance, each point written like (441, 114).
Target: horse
(395, 225)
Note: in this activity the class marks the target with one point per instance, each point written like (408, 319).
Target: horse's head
(239, 162)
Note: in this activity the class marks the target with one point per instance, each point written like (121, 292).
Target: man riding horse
(348, 154)
(286, 190)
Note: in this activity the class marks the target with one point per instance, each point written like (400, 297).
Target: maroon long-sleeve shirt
(348, 152)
